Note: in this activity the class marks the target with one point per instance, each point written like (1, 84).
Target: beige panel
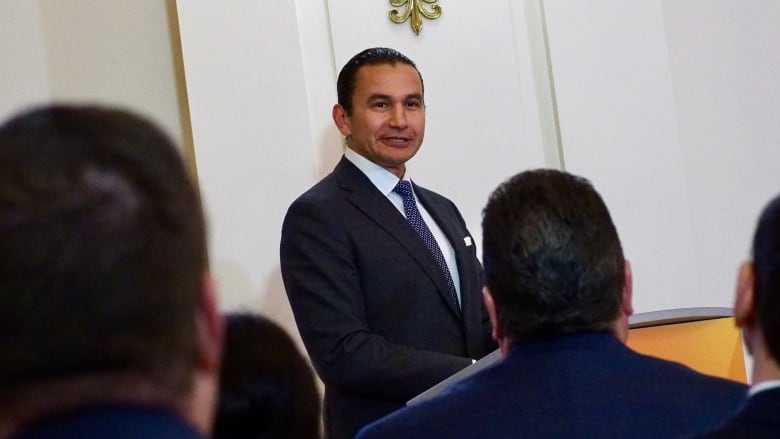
(23, 67)
(117, 52)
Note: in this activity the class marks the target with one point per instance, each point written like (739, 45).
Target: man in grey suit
(382, 274)
(757, 312)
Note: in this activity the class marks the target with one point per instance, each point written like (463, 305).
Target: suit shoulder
(465, 397)
(320, 191)
(430, 194)
(695, 381)
(434, 198)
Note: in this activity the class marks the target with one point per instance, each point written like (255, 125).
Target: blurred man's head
(553, 260)
(104, 293)
(757, 305)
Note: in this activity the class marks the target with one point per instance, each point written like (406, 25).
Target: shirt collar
(383, 179)
(764, 385)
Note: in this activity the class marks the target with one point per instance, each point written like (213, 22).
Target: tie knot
(404, 189)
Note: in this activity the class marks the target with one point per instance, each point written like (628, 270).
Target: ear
(744, 301)
(208, 324)
(490, 305)
(210, 327)
(626, 302)
(341, 118)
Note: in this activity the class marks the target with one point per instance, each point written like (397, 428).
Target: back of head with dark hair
(553, 261)
(766, 266)
(345, 85)
(102, 255)
(267, 388)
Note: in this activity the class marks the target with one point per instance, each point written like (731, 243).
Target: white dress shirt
(764, 385)
(386, 181)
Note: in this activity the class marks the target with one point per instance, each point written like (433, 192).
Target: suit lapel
(366, 197)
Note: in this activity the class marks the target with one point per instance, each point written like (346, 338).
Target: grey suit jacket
(370, 301)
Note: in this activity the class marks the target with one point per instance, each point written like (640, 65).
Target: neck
(765, 368)
(620, 328)
(505, 345)
(202, 403)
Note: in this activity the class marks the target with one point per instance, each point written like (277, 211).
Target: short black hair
(345, 85)
(766, 266)
(102, 252)
(267, 387)
(553, 260)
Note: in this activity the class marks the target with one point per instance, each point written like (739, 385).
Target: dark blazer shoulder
(428, 196)
(119, 422)
(328, 195)
(757, 418)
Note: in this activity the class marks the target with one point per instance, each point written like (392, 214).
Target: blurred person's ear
(210, 326)
(626, 302)
(498, 332)
(210, 338)
(744, 300)
(620, 327)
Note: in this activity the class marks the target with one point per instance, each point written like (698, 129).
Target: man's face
(387, 123)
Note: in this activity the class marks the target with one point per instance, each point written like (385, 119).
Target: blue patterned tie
(404, 189)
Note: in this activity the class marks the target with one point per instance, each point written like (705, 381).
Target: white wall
(724, 58)
(613, 90)
(670, 107)
(261, 85)
(619, 128)
(253, 139)
(23, 71)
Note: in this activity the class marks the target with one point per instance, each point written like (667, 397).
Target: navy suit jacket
(114, 422)
(758, 418)
(372, 306)
(581, 386)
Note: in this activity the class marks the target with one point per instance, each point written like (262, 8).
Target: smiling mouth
(396, 140)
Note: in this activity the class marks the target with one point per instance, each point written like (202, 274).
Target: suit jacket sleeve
(323, 284)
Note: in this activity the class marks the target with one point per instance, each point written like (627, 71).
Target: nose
(398, 116)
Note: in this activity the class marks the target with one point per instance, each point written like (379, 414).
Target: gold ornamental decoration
(416, 10)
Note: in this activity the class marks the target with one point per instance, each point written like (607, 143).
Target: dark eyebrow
(378, 97)
(384, 97)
